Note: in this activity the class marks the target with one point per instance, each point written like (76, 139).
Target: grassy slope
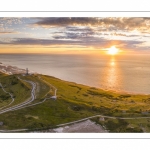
(75, 102)
(42, 89)
(4, 98)
(19, 89)
(98, 99)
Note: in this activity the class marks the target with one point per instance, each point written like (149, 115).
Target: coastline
(74, 102)
(10, 70)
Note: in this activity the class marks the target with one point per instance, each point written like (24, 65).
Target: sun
(113, 50)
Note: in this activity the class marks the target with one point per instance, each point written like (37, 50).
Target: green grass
(4, 98)
(74, 102)
(42, 89)
(19, 90)
(122, 126)
(99, 99)
(49, 114)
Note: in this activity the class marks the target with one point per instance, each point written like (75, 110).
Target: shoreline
(75, 104)
(10, 70)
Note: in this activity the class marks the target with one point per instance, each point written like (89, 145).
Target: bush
(100, 94)
(85, 95)
(134, 130)
(76, 108)
(116, 126)
(5, 97)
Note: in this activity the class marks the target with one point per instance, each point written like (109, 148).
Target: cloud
(8, 32)
(104, 24)
(73, 35)
(34, 41)
(98, 43)
(10, 20)
(63, 21)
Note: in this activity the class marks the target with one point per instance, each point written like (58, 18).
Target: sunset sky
(46, 35)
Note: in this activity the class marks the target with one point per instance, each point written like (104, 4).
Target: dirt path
(10, 96)
(55, 89)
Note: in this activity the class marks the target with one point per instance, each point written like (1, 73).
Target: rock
(101, 119)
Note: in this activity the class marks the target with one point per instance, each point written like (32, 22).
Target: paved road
(55, 90)
(26, 103)
(33, 96)
(20, 106)
(10, 96)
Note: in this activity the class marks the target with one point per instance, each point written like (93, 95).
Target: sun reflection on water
(111, 74)
(112, 62)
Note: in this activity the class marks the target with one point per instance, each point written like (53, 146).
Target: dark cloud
(34, 41)
(131, 35)
(79, 29)
(88, 34)
(63, 21)
(73, 35)
(110, 24)
(118, 34)
(86, 42)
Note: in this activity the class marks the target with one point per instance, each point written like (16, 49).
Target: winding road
(26, 103)
(19, 106)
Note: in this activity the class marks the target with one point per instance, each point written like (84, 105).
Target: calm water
(120, 73)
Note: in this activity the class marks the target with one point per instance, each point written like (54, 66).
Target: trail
(77, 121)
(55, 89)
(10, 96)
(69, 123)
(19, 106)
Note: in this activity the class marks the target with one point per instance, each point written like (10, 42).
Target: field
(74, 102)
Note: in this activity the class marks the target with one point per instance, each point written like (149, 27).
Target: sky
(77, 34)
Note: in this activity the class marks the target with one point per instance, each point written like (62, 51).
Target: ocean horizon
(122, 73)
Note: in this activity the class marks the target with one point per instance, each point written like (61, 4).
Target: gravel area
(87, 126)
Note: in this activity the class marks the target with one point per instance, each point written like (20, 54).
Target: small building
(54, 97)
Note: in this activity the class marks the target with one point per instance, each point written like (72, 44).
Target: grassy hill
(20, 90)
(74, 102)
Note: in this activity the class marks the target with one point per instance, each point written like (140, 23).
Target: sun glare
(113, 50)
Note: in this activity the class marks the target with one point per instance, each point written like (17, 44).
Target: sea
(122, 73)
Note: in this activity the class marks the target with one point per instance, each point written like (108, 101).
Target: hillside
(28, 102)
